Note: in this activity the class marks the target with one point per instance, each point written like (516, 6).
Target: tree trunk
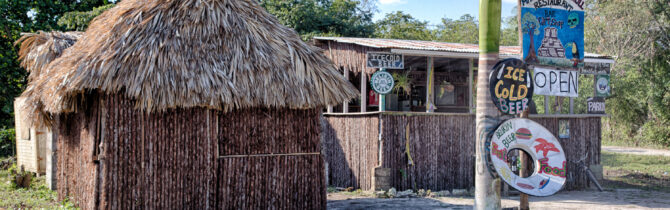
(487, 189)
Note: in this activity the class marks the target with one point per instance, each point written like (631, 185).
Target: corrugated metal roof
(431, 46)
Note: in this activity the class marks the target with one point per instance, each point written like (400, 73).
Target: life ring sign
(544, 149)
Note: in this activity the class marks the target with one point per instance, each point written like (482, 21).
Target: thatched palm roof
(221, 54)
(39, 49)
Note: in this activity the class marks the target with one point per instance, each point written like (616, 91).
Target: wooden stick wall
(190, 158)
(441, 147)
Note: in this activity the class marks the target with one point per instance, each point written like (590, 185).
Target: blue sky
(434, 10)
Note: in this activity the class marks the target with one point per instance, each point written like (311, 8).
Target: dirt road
(636, 151)
(582, 200)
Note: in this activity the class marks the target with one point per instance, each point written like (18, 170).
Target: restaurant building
(423, 136)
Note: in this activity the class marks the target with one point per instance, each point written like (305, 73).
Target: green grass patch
(636, 171)
(37, 196)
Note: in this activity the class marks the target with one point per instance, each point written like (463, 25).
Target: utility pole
(487, 189)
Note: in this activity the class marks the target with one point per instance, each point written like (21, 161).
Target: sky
(434, 10)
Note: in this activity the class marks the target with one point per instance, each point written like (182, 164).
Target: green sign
(382, 82)
(603, 86)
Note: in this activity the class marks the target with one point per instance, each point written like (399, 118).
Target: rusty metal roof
(430, 46)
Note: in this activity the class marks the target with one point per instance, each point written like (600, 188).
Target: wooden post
(546, 105)
(487, 189)
(572, 105)
(345, 105)
(430, 79)
(523, 198)
(471, 68)
(364, 90)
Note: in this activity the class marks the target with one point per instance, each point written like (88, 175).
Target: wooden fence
(441, 147)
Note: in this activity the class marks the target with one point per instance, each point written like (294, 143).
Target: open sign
(551, 82)
(511, 86)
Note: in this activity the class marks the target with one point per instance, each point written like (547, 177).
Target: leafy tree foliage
(637, 34)
(79, 20)
(318, 17)
(463, 30)
(26, 16)
(398, 25)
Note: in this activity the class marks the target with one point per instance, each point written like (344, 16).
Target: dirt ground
(636, 151)
(583, 200)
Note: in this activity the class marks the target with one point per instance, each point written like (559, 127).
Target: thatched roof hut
(166, 54)
(173, 104)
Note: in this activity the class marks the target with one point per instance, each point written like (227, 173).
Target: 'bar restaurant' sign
(385, 60)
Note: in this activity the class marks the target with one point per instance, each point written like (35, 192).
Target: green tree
(398, 25)
(318, 17)
(463, 30)
(636, 33)
(26, 16)
(78, 20)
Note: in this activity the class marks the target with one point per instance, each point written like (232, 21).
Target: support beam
(345, 105)
(546, 105)
(471, 69)
(572, 105)
(430, 80)
(364, 90)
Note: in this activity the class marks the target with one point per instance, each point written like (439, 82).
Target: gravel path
(636, 151)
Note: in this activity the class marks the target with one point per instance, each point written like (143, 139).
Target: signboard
(385, 60)
(552, 82)
(596, 68)
(511, 86)
(595, 105)
(382, 82)
(602, 85)
(563, 129)
(553, 32)
(544, 150)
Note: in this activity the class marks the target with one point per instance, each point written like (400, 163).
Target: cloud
(392, 1)
(510, 1)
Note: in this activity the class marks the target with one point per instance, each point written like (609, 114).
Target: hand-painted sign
(551, 82)
(603, 85)
(382, 82)
(595, 68)
(595, 105)
(563, 129)
(553, 32)
(543, 148)
(511, 86)
(385, 60)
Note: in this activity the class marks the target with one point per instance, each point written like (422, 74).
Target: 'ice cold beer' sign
(551, 82)
(385, 60)
(511, 86)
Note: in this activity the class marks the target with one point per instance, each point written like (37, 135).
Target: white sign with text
(551, 82)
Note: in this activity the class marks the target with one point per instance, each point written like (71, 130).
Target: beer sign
(511, 86)
(385, 60)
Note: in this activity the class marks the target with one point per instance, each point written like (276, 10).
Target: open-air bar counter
(423, 136)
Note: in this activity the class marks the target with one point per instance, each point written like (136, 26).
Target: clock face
(382, 82)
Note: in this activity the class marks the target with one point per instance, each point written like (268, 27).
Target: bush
(7, 142)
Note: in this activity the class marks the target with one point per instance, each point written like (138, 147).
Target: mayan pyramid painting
(551, 46)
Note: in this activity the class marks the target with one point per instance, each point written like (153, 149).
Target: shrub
(7, 142)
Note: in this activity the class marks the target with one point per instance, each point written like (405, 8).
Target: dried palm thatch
(219, 54)
(39, 49)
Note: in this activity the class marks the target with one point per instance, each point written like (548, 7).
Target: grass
(636, 171)
(37, 196)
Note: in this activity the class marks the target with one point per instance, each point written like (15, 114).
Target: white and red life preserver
(544, 149)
